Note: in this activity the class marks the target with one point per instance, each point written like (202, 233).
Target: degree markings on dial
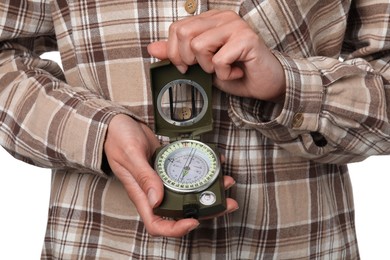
(187, 158)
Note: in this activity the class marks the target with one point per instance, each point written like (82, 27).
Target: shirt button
(297, 120)
(191, 6)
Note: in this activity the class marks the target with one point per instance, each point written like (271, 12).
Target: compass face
(187, 166)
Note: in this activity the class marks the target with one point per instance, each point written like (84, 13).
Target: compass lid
(182, 102)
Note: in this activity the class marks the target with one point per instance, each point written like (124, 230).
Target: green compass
(189, 168)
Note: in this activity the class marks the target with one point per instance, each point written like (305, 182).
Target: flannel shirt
(288, 159)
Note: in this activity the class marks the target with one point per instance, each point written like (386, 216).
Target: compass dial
(187, 166)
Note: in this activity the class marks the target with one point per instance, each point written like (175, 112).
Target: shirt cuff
(84, 136)
(301, 108)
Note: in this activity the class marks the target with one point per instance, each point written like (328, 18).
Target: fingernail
(152, 197)
(234, 209)
(182, 68)
(231, 185)
(193, 228)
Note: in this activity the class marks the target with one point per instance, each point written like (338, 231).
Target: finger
(232, 87)
(173, 52)
(227, 86)
(228, 60)
(146, 178)
(228, 182)
(207, 44)
(181, 34)
(222, 158)
(184, 34)
(218, 47)
(231, 206)
(146, 190)
(155, 225)
(158, 50)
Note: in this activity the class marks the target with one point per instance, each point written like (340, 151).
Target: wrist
(279, 79)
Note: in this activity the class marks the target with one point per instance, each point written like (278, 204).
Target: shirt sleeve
(43, 120)
(336, 109)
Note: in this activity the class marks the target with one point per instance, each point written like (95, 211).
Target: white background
(24, 198)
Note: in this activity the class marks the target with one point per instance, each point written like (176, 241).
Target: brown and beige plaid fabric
(288, 160)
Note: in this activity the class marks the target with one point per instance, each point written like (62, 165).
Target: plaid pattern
(288, 160)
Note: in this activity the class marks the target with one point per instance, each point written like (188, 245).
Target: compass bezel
(200, 185)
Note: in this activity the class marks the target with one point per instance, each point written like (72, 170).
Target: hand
(224, 44)
(129, 145)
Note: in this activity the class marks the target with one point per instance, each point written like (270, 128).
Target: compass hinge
(190, 206)
(184, 137)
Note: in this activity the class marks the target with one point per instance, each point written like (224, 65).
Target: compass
(190, 169)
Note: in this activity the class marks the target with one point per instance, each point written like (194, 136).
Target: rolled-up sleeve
(336, 109)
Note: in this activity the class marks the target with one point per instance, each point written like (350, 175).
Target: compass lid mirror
(181, 101)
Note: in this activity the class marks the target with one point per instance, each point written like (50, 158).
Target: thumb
(143, 185)
(150, 183)
(158, 50)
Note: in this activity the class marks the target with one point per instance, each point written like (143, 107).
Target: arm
(327, 110)
(335, 109)
(44, 121)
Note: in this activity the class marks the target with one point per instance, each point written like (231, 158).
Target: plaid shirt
(288, 160)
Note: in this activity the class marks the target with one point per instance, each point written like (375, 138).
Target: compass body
(189, 168)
